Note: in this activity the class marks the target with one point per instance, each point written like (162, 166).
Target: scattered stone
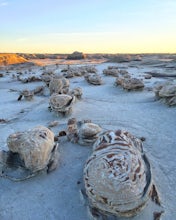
(157, 215)
(123, 72)
(59, 85)
(3, 121)
(46, 78)
(112, 67)
(53, 124)
(119, 81)
(111, 72)
(166, 92)
(94, 79)
(147, 76)
(82, 132)
(132, 84)
(89, 69)
(72, 130)
(61, 103)
(71, 72)
(88, 132)
(39, 90)
(29, 79)
(28, 95)
(77, 92)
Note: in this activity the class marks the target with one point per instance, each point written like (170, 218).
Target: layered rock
(61, 103)
(117, 175)
(83, 132)
(8, 59)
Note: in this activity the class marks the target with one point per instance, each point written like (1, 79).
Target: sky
(92, 26)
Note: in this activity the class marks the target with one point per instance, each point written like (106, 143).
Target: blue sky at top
(93, 26)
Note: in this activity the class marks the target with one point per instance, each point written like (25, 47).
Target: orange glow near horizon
(93, 43)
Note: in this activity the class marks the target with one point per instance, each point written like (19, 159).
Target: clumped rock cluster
(93, 78)
(62, 98)
(83, 132)
(71, 72)
(115, 71)
(123, 78)
(127, 82)
(27, 94)
(46, 78)
(111, 71)
(28, 79)
(132, 84)
(166, 92)
(59, 85)
(77, 92)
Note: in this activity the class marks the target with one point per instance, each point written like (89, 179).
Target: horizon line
(88, 53)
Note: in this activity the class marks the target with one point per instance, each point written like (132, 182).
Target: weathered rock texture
(35, 147)
(132, 84)
(166, 92)
(77, 92)
(61, 103)
(117, 175)
(94, 79)
(59, 85)
(83, 132)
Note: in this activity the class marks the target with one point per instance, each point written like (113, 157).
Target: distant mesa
(8, 59)
(76, 56)
(29, 56)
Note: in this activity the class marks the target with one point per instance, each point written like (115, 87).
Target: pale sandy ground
(43, 62)
(56, 196)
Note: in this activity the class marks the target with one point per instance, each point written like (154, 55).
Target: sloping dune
(8, 59)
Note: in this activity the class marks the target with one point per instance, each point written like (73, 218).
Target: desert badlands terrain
(132, 93)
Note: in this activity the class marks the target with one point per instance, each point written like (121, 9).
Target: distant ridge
(8, 59)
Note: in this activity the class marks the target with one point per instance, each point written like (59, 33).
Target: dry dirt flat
(56, 196)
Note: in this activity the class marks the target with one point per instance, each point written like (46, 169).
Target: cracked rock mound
(35, 147)
(61, 103)
(117, 175)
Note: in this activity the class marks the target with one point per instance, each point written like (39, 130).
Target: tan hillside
(7, 59)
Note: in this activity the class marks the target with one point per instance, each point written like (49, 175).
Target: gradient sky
(105, 26)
